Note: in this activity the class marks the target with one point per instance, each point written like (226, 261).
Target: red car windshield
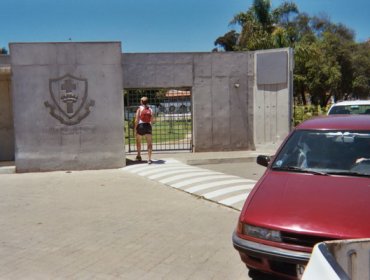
(326, 152)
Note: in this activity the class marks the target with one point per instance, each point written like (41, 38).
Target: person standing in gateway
(143, 127)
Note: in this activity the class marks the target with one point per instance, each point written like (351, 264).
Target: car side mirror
(263, 160)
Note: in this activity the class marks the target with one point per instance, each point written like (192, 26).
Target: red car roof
(337, 122)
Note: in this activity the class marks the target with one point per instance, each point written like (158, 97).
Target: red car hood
(334, 206)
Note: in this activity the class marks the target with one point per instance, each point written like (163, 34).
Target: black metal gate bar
(172, 129)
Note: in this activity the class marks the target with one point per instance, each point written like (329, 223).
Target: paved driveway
(111, 224)
(226, 189)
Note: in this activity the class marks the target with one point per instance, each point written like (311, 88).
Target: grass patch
(302, 113)
(163, 131)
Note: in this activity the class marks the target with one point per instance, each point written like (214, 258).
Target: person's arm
(152, 121)
(137, 115)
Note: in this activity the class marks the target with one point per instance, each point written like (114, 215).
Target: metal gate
(172, 127)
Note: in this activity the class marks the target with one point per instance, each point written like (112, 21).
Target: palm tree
(263, 27)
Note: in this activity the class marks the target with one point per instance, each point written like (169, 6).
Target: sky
(151, 25)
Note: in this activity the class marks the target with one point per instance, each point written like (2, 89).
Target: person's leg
(138, 146)
(150, 146)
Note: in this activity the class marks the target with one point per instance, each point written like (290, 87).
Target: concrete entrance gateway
(65, 100)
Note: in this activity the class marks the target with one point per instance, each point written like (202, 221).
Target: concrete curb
(220, 160)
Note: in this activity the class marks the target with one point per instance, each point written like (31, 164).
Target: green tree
(339, 43)
(328, 62)
(361, 73)
(264, 27)
(228, 41)
(323, 60)
(303, 53)
(323, 75)
(261, 27)
(305, 48)
(3, 51)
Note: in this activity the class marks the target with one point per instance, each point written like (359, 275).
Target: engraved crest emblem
(69, 95)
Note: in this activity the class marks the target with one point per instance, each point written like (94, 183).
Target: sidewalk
(186, 157)
(210, 157)
(110, 224)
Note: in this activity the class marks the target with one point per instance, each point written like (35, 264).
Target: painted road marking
(234, 199)
(195, 180)
(160, 169)
(216, 184)
(177, 171)
(202, 179)
(199, 174)
(228, 190)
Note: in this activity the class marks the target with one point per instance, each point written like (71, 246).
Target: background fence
(172, 126)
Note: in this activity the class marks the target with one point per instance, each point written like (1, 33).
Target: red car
(316, 188)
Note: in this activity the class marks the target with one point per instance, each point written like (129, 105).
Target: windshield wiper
(349, 173)
(299, 169)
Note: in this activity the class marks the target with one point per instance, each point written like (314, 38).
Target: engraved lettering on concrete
(69, 99)
(65, 130)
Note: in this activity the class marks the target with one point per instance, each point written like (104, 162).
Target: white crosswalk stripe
(228, 190)
(215, 184)
(234, 199)
(201, 179)
(155, 169)
(222, 188)
(187, 175)
(174, 171)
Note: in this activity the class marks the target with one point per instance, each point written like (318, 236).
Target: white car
(350, 107)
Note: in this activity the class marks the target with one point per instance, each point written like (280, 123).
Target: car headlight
(262, 233)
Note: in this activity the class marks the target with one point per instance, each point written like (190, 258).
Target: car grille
(302, 240)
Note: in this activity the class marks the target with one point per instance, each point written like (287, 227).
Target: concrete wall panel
(109, 55)
(220, 113)
(272, 67)
(203, 65)
(240, 118)
(229, 64)
(49, 137)
(226, 74)
(272, 96)
(38, 54)
(243, 112)
(184, 76)
(202, 114)
(157, 70)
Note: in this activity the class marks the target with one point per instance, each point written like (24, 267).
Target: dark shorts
(144, 128)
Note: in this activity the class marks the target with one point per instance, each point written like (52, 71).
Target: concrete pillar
(67, 101)
(272, 95)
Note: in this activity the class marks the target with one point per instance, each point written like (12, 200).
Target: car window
(350, 109)
(326, 151)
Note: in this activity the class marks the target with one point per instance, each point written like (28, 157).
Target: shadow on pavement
(133, 162)
(257, 275)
